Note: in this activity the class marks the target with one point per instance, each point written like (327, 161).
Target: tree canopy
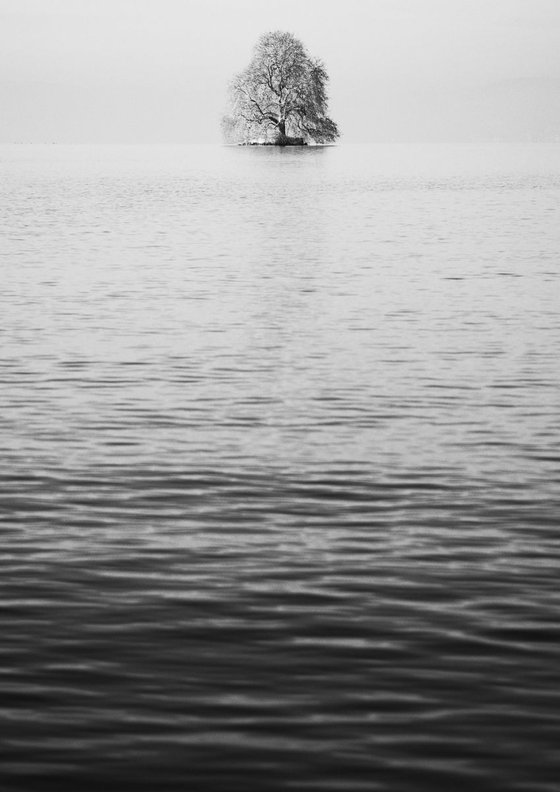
(280, 95)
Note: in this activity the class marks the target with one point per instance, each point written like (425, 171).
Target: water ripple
(278, 492)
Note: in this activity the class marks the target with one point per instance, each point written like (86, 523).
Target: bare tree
(281, 95)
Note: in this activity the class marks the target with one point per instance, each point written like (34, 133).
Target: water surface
(279, 482)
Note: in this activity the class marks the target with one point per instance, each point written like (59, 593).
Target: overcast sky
(157, 70)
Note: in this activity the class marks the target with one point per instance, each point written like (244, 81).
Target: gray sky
(157, 70)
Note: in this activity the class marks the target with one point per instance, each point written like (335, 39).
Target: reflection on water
(279, 484)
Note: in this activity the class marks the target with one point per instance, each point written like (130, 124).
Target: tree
(281, 94)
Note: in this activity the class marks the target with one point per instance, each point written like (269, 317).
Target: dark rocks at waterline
(285, 140)
(280, 141)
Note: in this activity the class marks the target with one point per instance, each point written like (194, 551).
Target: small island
(280, 99)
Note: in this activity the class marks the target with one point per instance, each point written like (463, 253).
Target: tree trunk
(281, 136)
(282, 139)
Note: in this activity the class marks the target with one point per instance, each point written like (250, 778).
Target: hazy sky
(157, 70)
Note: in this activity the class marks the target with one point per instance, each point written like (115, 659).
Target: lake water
(279, 480)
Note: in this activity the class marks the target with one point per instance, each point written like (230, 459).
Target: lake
(279, 481)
